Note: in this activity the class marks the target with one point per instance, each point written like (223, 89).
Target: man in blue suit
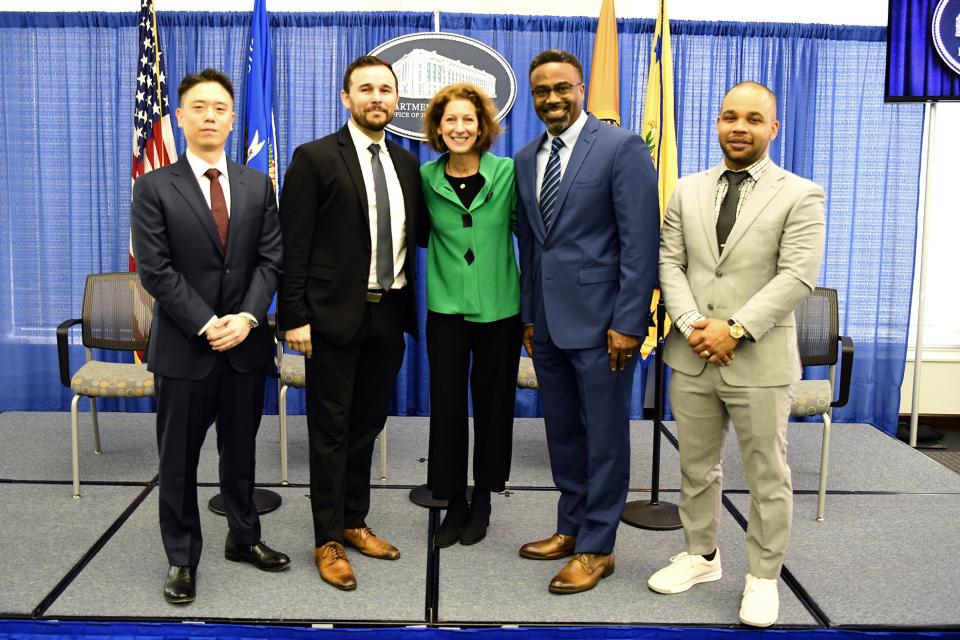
(588, 234)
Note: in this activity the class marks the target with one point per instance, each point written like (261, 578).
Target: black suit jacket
(326, 237)
(184, 267)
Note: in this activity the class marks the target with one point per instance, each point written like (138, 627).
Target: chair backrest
(117, 312)
(818, 328)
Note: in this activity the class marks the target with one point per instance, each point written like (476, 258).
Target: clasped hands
(227, 332)
(711, 340)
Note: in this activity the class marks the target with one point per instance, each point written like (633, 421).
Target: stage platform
(887, 557)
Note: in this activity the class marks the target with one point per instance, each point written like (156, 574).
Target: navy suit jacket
(183, 265)
(597, 267)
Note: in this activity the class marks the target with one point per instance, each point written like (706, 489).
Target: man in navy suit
(588, 236)
(206, 237)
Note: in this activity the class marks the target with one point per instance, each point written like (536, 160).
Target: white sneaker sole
(757, 623)
(680, 588)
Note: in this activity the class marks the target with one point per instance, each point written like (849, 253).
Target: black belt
(379, 295)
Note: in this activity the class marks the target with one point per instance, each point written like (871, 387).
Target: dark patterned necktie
(551, 184)
(218, 206)
(728, 208)
(384, 232)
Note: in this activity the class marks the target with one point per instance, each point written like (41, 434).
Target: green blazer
(488, 288)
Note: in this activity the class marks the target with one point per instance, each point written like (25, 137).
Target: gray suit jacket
(770, 263)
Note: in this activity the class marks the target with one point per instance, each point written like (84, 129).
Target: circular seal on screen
(946, 32)
(426, 62)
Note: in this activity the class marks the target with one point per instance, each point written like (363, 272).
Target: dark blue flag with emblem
(259, 126)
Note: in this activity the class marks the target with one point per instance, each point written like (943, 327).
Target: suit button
(718, 273)
(710, 307)
(227, 270)
(367, 247)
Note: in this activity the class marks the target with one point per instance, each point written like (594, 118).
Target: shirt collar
(755, 170)
(570, 134)
(199, 167)
(361, 141)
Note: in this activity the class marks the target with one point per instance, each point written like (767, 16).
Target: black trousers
(185, 410)
(494, 348)
(348, 392)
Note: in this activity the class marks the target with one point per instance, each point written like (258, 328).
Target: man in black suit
(349, 210)
(206, 237)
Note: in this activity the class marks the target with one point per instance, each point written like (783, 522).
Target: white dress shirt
(398, 215)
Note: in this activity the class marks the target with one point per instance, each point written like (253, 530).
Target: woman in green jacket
(473, 307)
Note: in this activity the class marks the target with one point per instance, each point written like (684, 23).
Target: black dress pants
(348, 393)
(494, 348)
(185, 409)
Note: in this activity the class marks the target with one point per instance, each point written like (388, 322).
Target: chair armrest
(846, 371)
(63, 349)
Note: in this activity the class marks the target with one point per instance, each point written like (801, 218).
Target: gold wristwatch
(736, 329)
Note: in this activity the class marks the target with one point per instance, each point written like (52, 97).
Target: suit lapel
(708, 217)
(186, 185)
(580, 151)
(348, 153)
(407, 186)
(238, 199)
(767, 186)
(525, 166)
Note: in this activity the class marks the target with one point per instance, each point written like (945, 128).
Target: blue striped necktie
(551, 185)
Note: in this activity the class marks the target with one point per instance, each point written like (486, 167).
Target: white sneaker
(760, 606)
(684, 571)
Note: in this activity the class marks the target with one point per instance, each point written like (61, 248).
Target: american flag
(153, 144)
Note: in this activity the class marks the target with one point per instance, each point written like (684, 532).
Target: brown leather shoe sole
(563, 590)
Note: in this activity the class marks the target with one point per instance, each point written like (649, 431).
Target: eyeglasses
(562, 89)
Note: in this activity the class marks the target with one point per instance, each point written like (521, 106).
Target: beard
(363, 119)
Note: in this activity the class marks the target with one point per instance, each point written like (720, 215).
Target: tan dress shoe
(370, 544)
(582, 573)
(334, 566)
(556, 546)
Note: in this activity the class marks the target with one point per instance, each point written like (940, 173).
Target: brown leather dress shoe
(370, 544)
(582, 573)
(334, 566)
(556, 546)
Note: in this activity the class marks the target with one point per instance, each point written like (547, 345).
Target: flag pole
(660, 135)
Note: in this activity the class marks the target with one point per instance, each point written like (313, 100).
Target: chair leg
(824, 464)
(96, 427)
(283, 434)
(383, 454)
(75, 445)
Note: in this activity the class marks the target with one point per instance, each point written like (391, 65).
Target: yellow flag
(604, 95)
(660, 133)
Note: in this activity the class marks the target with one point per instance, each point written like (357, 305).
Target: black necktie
(728, 208)
(384, 232)
(551, 184)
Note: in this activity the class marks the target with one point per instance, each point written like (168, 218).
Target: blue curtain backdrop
(66, 101)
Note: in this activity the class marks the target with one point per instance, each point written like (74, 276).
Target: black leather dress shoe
(259, 555)
(180, 586)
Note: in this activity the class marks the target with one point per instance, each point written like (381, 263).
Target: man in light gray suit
(741, 246)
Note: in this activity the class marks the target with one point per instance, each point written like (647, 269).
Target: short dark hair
(207, 75)
(367, 61)
(486, 115)
(556, 55)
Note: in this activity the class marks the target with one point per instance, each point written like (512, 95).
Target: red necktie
(218, 206)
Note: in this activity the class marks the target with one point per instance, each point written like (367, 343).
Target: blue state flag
(259, 126)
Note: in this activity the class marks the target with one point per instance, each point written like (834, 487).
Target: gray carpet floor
(907, 574)
(489, 582)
